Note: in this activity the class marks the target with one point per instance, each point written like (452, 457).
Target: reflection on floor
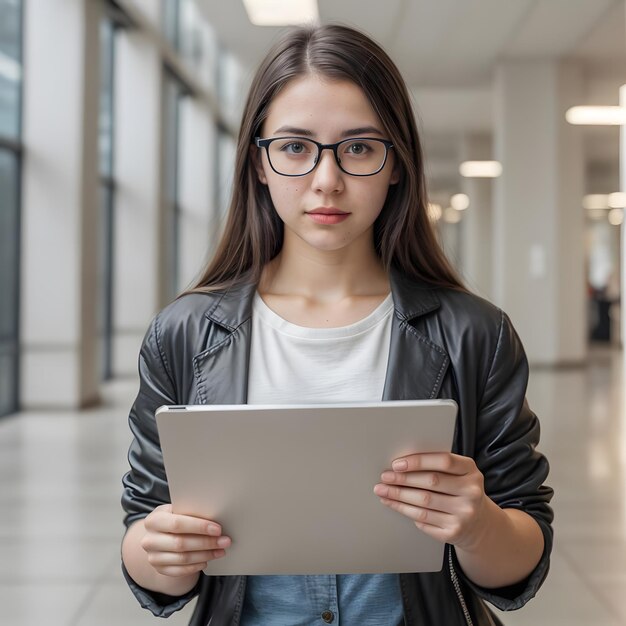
(60, 525)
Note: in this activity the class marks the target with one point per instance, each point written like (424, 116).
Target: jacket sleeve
(145, 485)
(514, 471)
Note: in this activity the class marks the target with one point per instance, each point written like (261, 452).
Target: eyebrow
(350, 132)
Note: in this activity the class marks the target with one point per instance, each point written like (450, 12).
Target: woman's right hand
(181, 545)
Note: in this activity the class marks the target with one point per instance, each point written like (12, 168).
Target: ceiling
(454, 43)
(448, 50)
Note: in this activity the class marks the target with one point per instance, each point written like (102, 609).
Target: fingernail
(381, 490)
(212, 529)
(399, 465)
(387, 477)
(223, 542)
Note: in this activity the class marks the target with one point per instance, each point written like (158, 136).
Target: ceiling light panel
(480, 169)
(596, 116)
(281, 12)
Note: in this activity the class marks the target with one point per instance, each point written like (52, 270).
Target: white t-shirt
(292, 364)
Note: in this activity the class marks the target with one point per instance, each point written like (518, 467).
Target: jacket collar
(411, 299)
(415, 367)
(233, 307)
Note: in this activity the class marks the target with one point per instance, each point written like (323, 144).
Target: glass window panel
(230, 83)
(107, 198)
(8, 380)
(9, 237)
(190, 40)
(206, 70)
(107, 33)
(105, 280)
(193, 37)
(173, 94)
(10, 67)
(170, 13)
(9, 273)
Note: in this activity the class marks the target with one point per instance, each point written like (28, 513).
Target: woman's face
(326, 111)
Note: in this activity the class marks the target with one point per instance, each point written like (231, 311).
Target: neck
(325, 275)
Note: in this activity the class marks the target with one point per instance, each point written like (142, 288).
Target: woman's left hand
(443, 493)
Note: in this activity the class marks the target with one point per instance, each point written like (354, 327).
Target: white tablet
(292, 485)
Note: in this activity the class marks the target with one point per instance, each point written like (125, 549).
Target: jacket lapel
(221, 370)
(416, 365)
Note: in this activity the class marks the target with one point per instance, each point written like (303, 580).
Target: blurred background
(118, 121)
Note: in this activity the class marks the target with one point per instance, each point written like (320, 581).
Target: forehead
(321, 105)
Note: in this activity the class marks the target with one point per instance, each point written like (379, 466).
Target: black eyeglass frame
(265, 143)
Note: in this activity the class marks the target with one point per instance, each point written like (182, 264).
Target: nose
(327, 177)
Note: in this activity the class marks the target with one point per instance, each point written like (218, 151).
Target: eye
(294, 147)
(357, 148)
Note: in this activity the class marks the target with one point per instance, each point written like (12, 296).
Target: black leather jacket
(444, 343)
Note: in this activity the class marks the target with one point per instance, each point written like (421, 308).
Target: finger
(165, 542)
(418, 497)
(431, 481)
(164, 559)
(418, 514)
(164, 521)
(184, 570)
(445, 462)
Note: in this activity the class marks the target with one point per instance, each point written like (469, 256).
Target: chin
(330, 241)
(330, 246)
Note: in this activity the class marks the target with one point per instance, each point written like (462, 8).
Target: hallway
(60, 484)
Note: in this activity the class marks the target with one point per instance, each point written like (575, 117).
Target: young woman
(329, 285)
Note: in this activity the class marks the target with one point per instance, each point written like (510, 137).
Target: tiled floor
(60, 521)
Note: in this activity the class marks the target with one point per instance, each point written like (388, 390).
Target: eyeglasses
(297, 156)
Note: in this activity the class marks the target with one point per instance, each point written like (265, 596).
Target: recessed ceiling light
(480, 169)
(281, 12)
(459, 201)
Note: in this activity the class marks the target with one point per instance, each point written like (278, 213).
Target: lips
(328, 217)
(327, 211)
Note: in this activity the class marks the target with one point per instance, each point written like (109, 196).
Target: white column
(60, 204)
(476, 227)
(196, 187)
(538, 225)
(138, 198)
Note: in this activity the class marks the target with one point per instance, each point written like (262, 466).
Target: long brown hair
(403, 234)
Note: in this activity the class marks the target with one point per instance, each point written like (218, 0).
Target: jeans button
(328, 616)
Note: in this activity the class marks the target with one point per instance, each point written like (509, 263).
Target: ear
(395, 175)
(257, 162)
(396, 170)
